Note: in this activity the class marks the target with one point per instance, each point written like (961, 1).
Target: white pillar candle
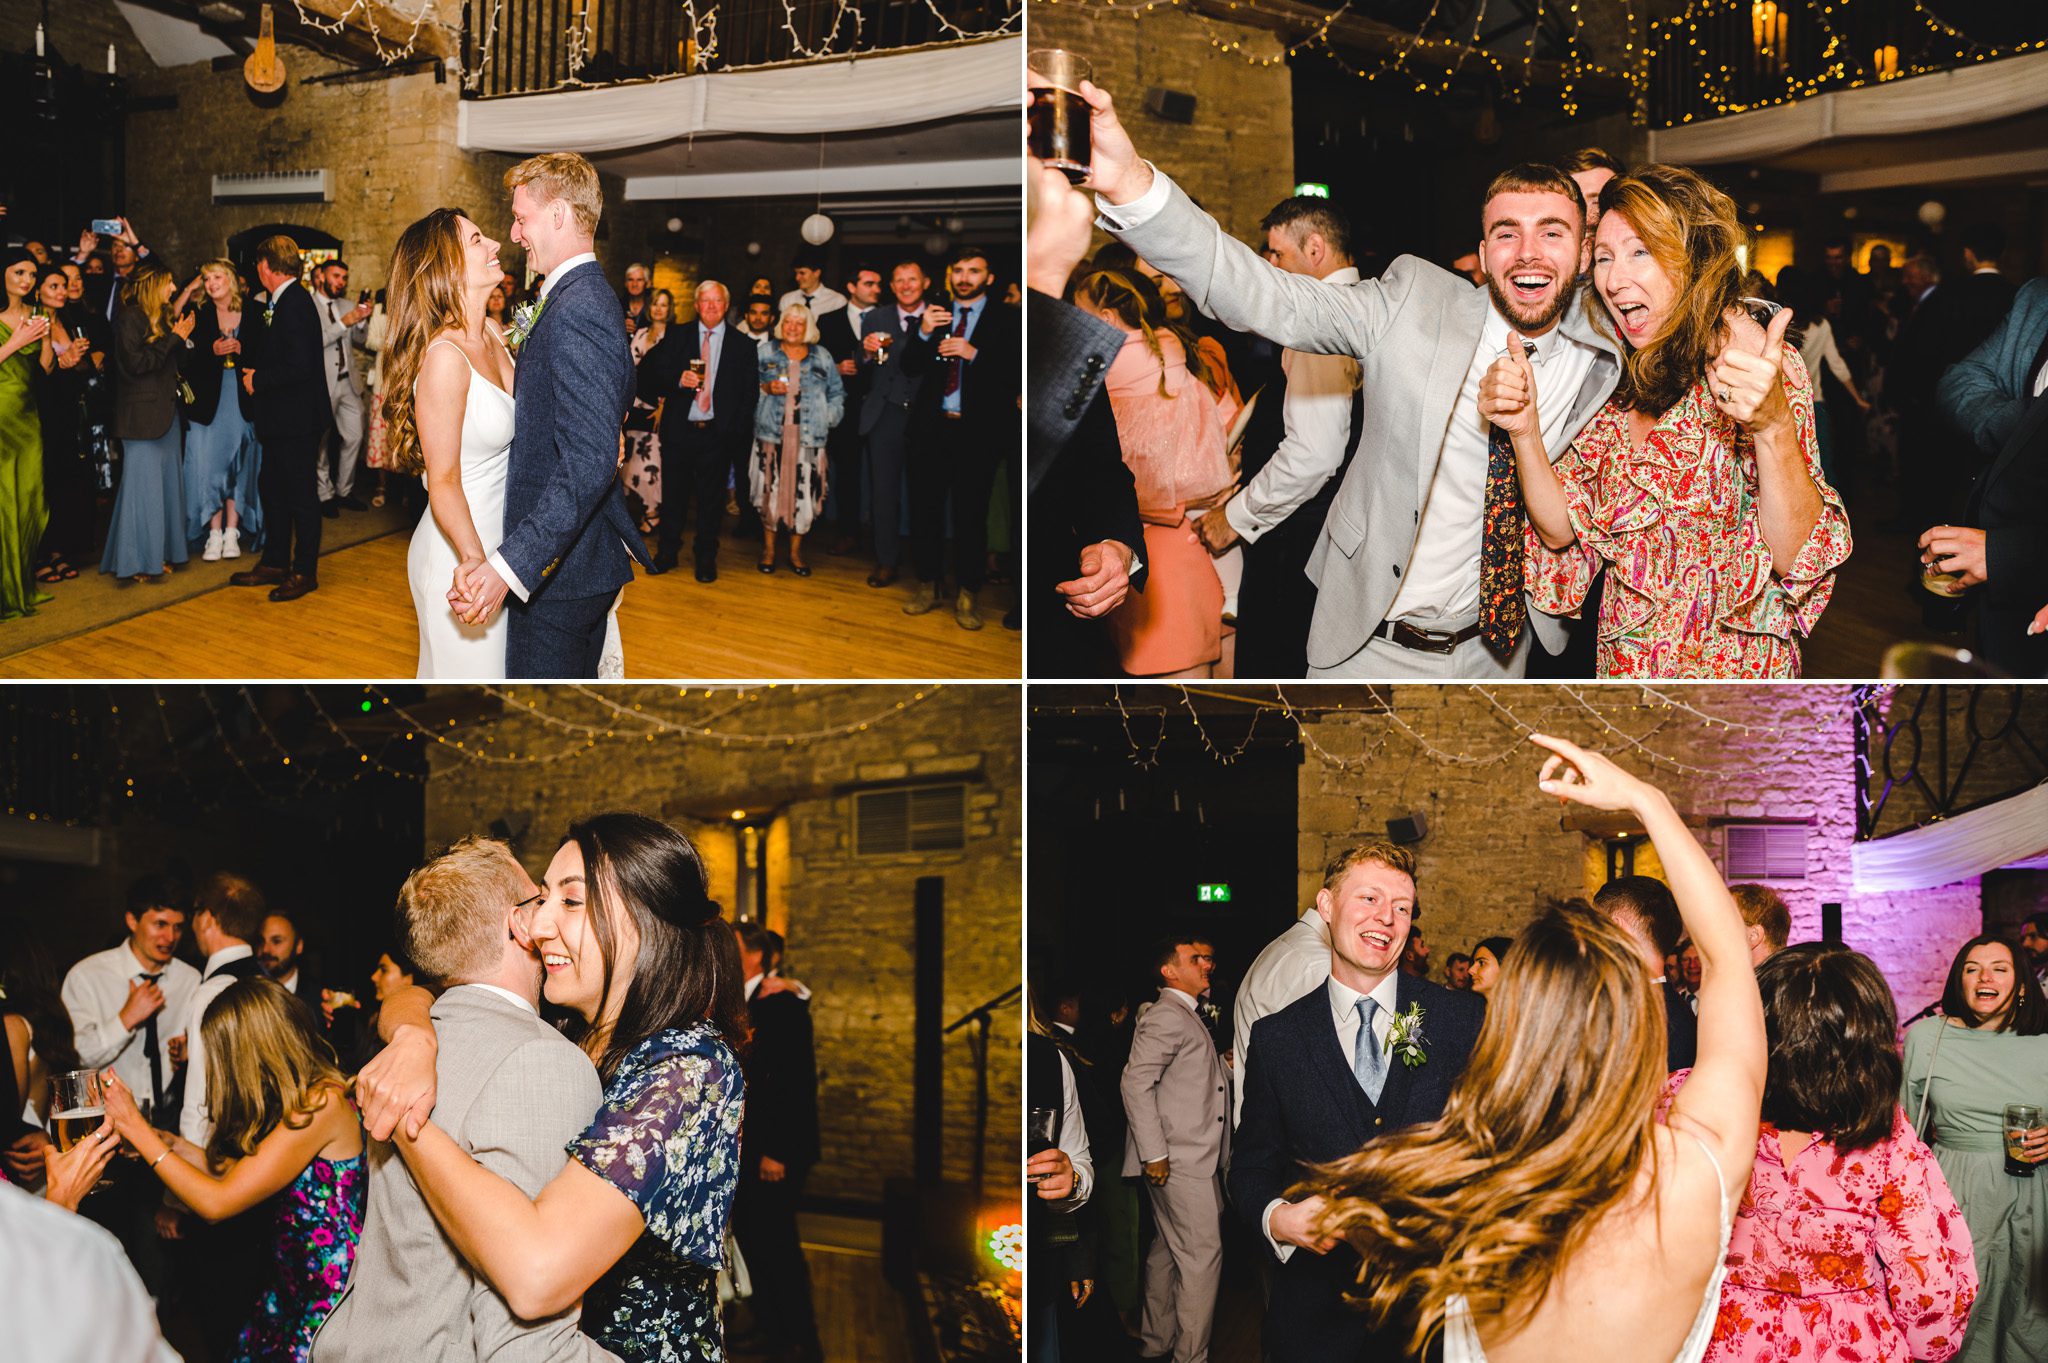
(39, 40)
(110, 59)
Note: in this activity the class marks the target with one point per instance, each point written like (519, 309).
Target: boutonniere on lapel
(524, 318)
(1211, 1014)
(1404, 1036)
(269, 311)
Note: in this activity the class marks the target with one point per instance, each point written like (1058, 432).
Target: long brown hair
(425, 298)
(1691, 231)
(266, 1062)
(140, 291)
(1138, 305)
(1538, 1141)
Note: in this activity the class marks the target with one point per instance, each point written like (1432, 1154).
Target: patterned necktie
(156, 1059)
(955, 365)
(1366, 1061)
(1503, 610)
(703, 403)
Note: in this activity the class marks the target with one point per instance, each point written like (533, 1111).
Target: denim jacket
(820, 398)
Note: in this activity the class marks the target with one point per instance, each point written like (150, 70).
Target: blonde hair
(1391, 855)
(266, 1063)
(810, 322)
(562, 175)
(450, 911)
(1536, 1144)
(1691, 231)
(424, 298)
(227, 267)
(148, 289)
(1137, 303)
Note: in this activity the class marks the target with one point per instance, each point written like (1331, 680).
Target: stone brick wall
(1237, 157)
(1495, 850)
(390, 143)
(850, 918)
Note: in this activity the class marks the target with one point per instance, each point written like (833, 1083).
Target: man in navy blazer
(569, 544)
(288, 382)
(900, 338)
(1369, 1051)
(707, 421)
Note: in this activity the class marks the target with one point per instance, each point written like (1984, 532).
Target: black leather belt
(705, 422)
(1423, 640)
(953, 416)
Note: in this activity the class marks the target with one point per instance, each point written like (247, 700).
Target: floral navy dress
(668, 1137)
(319, 1221)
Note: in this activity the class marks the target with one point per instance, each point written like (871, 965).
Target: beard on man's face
(1567, 290)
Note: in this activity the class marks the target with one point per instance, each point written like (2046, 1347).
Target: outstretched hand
(1573, 773)
(1116, 171)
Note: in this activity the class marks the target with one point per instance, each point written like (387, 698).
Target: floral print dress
(1692, 590)
(1855, 1255)
(668, 1137)
(318, 1223)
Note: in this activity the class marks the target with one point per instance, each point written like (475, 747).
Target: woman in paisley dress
(1848, 1243)
(1698, 486)
(635, 1223)
(282, 1123)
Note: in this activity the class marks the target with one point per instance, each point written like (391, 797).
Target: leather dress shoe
(656, 567)
(882, 577)
(353, 503)
(707, 572)
(261, 575)
(293, 587)
(331, 509)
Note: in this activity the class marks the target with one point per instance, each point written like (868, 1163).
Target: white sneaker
(231, 543)
(212, 551)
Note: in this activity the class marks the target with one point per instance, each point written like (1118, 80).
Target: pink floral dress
(317, 1223)
(1858, 1256)
(1691, 587)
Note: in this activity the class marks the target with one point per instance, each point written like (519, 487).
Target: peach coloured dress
(1174, 444)
(1691, 587)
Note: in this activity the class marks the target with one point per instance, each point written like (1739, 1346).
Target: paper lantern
(1933, 213)
(817, 229)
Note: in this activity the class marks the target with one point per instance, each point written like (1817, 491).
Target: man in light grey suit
(343, 330)
(1416, 558)
(511, 1090)
(1175, 1092)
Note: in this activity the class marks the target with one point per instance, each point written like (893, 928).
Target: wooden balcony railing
(517, 47)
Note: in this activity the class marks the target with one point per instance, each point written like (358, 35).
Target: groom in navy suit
(569, 544)
(1370, 1050)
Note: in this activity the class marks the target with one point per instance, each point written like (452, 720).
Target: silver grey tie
(1366, 1061)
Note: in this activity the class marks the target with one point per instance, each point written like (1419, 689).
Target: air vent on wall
(889, 823)
(1766, 851)
(284, 186)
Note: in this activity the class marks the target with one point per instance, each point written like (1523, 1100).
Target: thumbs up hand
(1507, 394)
(1745, 378)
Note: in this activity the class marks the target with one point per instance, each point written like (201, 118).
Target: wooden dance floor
(361, 624)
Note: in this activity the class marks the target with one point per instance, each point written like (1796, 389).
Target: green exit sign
(1213, 894)
(1310, 190)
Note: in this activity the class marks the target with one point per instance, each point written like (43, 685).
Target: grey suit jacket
(1413, 331)
(1175, 1091)
(513, 1092)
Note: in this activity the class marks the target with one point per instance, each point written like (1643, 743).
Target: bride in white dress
(449, 413)
(1547, 1213)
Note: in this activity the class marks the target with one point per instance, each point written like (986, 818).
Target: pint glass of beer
(1057, 113)
(75, 1107)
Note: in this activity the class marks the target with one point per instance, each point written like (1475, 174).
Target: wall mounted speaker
(1175, 106)
(1408, 828)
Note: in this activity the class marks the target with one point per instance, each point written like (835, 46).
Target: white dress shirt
(96, 989)
(1074, 1144)
(2041, 381)
(547, 285)
(1292, 964)
(497, 989)
(193, 1122)
(1441, 585)
(1344, 1015)
(72, 1295)
(820, 301)
(1317, 414)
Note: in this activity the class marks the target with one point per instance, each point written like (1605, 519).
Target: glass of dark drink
(1042, 1120)
(1057, 114)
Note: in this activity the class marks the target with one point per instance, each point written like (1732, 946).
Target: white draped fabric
(1943, 99)
(2012, 832)
(842, 95)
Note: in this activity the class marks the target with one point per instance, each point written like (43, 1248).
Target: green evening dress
(1968, 1082)
(23, 513)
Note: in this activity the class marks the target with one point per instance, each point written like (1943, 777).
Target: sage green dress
(1968, 1081)
(23, 512)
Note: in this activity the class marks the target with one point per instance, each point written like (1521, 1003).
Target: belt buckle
(1423, 641)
